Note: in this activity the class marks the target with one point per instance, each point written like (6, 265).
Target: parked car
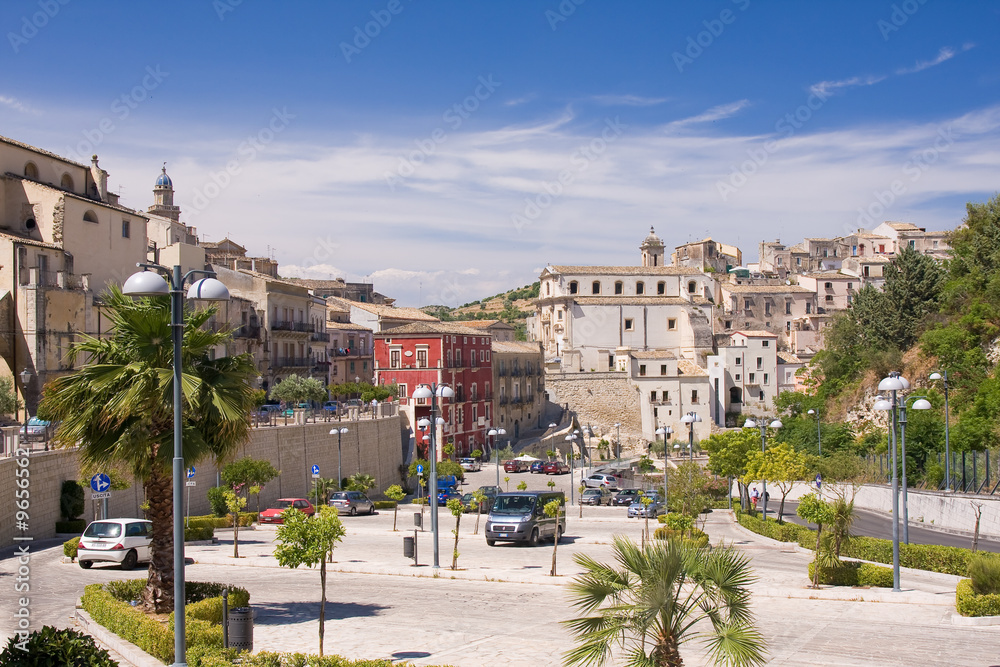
(520, 517)
(124, 541)
(515, 466)
(491, 490)
(469, 501)
(536, 466)
(351, 502)
(653, 510)
(448, 480)
(470, 464)
(445, 494)
(627, 496)
(273, 513)
(555, 468)
(37, 429)
(331, 406)
(601, 480)
(596, 496)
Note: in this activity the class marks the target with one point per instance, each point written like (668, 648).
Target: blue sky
(447, 151)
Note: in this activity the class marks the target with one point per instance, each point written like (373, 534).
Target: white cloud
(15, 104)
(720, 112)
(629, 100)
(824, 89)
(946, 53)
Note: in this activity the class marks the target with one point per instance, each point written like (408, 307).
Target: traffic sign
(420, 468)
(315, 471)
(100, 483)
(190, 472)
(102, 494)
(190, 483)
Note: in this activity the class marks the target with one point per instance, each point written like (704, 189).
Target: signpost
(420, 483)
(101, 485)
(315, 476)
(190, 482)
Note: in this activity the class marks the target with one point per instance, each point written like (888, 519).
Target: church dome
(163, 181)
(652, 241)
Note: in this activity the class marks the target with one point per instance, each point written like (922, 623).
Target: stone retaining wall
(600, 399)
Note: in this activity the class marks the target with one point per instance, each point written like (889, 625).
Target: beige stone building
(378, 317)
(351, 345)
(519, 387)
(500, 330)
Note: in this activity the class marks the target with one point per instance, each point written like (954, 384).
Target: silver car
(351, 502)
(653, 510)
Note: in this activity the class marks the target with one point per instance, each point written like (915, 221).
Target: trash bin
(241, 628)
(408, 546)
(418, 519)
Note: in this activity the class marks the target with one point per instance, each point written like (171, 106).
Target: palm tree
(119, 409)
(651, 598)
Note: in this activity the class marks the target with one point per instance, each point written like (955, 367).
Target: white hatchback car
(470, 465)
(124, 541)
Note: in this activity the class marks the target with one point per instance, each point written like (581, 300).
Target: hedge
(695, 538)
(204, 657)
(783, 532)
(198, 533)
(246, 518)
(129, 623)
(853, 573)
(970, 604)
(384, 504)
(70, 546)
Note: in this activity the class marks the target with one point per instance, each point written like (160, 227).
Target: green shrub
(50, 646)
(932, 557)
(845, 574)
(205, 657)
(694, 537)
(385, 504)
(217, 500)
(129, 623)
(70, 546)
(196, 591)
(969, 604)
(783, 532)
(246, 519)
(126, 590)
(196, 534)
(73, 526)
(875, 575)
(71, 501)
(984, 571)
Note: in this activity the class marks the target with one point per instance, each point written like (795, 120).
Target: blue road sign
(420, 468)
(315, 470)
(100, 482)
(190, 472)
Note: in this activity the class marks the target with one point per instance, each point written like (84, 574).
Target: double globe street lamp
(149, 283)
(340, 473)
(819, 434)
(494, 433)
(943, 375)
(691, 419)
(776, 423)
(433, 392)
(665, 431)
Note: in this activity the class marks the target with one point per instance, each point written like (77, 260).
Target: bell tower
(163, 197)
(652, 250)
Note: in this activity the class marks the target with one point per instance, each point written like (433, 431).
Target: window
(642, 369)
(629, 324)
(753, 378)
(559, 314)
(765, 343)
(548, 289)
(788, 308)
(663, 369)
(661, 287)
(780, 261)
(482, 356)
(671, 323)
(881, 248)
(652, 397)
(692, 287)
(125, 229)
(854, 251)
(619, 287)
(90, 216)
(826, 253)
(666, 396)
(728, 324)
(694, 396)
(573, 287)
(798, 261)
(421, 359)
(67, 182)
(850, 286)
(765, 378)
(738, 376)
(760, 362)
(475, 413)
(913, 244)
(611, 362)
(458, 357)
(394, 358)
(747, 304)
(31, 171)
(808, 308)
(739, 361)
(640, 287)
(828, 285)
(767, 309)
(352, 368)
(596, 287)
(829, 298)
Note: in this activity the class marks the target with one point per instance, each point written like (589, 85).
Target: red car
(515, 466)
(273, 513)
(555, 468)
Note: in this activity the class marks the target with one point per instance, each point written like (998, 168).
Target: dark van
(519, 516)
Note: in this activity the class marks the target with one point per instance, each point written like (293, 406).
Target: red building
(441, 353)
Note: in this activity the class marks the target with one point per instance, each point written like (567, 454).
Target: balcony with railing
(293, 362)
(320, 336)
(298, 327)
(247, 331)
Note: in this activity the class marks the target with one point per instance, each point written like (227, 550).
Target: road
(874, 524)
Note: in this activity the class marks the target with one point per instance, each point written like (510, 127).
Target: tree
(307, 541)
(688, 486)
(581, 489)
(506, 481)
(781, 465)
(248, 473)
(648, 602)
(119, 409)
(553, 509)
(523, 486)
(479, 497)
(235, 504)
(728, 454)
(395, 493)
(457, 509)
(9, 402)
(294, 389)
(360, 482)
(843, 519)
(815, 510)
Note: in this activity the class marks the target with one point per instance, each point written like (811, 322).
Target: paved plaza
(502, 608)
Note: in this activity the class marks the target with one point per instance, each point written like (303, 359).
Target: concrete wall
(291, 449)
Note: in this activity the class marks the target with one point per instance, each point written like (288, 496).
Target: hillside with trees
(513, 307)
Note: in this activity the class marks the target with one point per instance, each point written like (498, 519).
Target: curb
(131, 653)
(975, 621)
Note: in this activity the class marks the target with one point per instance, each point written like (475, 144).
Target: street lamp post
(947, 449)
(148, 283)
(819, 434)
(26, 376)
(433, 391)
(618, 446)
(571, 438)
(665, 431)
(691, 419)
(495, 432)
(340, 472)
(921, 403)
(763, 449)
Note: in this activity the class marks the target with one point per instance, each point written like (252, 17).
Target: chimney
(100, 178)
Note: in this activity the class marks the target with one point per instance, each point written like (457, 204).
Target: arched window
(640, 287)
(692, 287)
(661, 287)
(31, 171)
(67, 182)
(619, 287)
(90, 216)
(574, 287)
(596, 287)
